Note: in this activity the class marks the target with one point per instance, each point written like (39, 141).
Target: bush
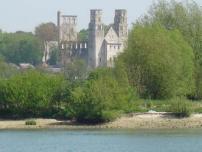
(7, 70)
(100, 98)
(181, 107)
(30, 123)
(137, 106)
(30, 94)
(110, 115)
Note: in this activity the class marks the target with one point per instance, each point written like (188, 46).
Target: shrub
(100, 98)
(137, 106)
(29, 94)
(181, 107)
(30, 123)
(108, 116)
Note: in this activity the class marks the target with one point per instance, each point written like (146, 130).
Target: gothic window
(100, 60)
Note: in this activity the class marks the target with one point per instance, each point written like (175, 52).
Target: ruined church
(102, 46)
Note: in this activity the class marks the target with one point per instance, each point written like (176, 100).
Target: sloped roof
(111, 36)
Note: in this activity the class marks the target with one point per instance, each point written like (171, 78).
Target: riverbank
(132, 121)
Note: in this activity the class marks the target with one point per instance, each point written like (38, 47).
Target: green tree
(159, 63)
(29, 94)
(187, 18)
(47, 31)
(7, 70)
(20, 48)
(101, 98)
(83, 35)
(54, 57)
(76, 70)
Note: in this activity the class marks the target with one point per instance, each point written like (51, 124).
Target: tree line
(27, 47)
(161, 62)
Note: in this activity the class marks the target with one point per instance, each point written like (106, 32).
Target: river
(181, 140)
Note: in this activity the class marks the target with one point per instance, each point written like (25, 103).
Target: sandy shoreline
(132, 121)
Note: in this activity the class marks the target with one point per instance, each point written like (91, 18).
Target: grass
(30, 123)
(181, 107)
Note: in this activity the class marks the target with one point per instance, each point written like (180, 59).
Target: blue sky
(26, 14)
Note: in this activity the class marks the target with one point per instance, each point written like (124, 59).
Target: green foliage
(46, 31)
(76, 70)
(7, 70)
(83, 35)
(20, 48)
(162, 60)
(110, 115)
(30, 123)
(187, 18)
(159, 63)
(181, 107)
(136, 107)
(30, 93)
(100, 98)
(54, 57)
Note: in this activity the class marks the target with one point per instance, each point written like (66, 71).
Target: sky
(25, 15)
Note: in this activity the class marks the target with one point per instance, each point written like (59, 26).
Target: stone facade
(68, 43)
(49, 47)
(67, 27)
(102, 46)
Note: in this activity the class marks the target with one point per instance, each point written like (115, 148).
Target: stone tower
(67, 26)
(96, 38)
(67, 36)
(120, 24)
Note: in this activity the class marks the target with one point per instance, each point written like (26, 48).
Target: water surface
(188, 140)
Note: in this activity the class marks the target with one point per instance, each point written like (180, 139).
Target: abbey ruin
(103, 45)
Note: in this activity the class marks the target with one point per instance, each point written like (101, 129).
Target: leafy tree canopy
(159, 62)
(20, 48)
(46, 31)
(83, 35)
(187, 18)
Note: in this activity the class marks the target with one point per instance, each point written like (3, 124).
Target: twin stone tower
(104, 43)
